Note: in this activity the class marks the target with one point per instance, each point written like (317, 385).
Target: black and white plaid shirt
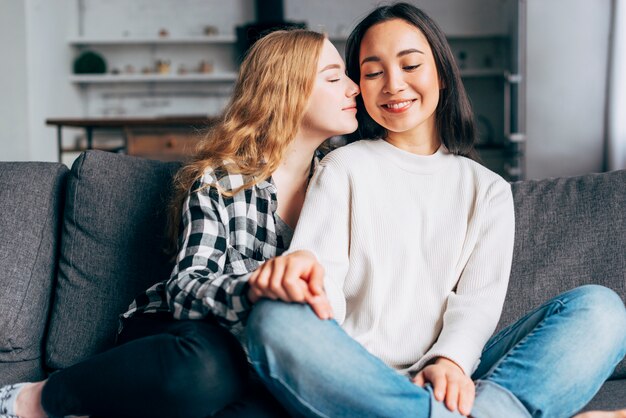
(222, 241)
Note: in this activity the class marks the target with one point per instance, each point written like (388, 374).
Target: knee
(598, 298)
(277, 325)
(211, 373)
(602, 307)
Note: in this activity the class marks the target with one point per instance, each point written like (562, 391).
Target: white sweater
(417, 250)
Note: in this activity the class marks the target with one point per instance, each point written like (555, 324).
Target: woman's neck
(291, 179)
(423, 140)
(296, 163)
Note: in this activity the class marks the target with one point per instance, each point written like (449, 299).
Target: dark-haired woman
(416, 240)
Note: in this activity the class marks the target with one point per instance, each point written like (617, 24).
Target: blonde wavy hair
(262, 118)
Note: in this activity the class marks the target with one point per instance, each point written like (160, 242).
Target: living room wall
(14, 104)
(39, 57)
(34, 42)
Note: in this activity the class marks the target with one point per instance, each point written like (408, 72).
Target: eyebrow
(331, 67)
(402, 53)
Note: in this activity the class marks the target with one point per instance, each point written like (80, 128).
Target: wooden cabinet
(164, 145)
(165, 139)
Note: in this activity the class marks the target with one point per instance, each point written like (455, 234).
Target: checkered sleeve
(202, 282)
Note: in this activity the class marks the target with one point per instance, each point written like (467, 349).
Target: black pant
(162, 367)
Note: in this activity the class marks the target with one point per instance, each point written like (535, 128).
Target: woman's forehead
(329, 56)
(392, 36)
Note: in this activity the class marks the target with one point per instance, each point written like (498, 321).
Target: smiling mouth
(398, 106)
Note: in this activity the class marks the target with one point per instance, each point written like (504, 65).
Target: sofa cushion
(568, 232)
(21, 371)
(611, 396)
(30, 211)
(111, 249)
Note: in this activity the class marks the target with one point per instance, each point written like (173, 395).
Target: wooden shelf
(156, 78)
(166, 138)
(79, 149)
(216, 39)
(196, 121)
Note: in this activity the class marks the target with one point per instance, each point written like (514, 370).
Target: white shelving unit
(186, 78)
(152, 42)
(152, 78)
(83, 43)
(215, 39)
(134, 86)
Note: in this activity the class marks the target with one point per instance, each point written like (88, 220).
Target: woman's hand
(450, 383)
(296, 277)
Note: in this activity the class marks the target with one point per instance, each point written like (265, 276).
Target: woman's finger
(439, 382)
(316, 278)
(261, 284)
(294, 286)
(452, 394)
(275, 281)
(264, 273)
(466, 398)
(419, 379)
(320, 305)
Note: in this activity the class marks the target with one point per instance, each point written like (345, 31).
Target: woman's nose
(353, 90)
(394, 82)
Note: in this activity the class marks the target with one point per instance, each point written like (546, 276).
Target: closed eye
(411, 67)
(373, 75)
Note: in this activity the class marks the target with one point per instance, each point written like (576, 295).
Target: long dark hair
(454, 115)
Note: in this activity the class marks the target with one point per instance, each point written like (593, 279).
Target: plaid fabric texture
(223, 240)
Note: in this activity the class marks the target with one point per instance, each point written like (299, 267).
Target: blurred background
(547, 78)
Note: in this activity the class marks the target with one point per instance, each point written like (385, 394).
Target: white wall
(617, 94)
(456, 17)
(14, 144)
(48, 26)
(567, 63)
(34, 34)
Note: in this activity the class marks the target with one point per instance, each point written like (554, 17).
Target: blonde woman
(235, 206)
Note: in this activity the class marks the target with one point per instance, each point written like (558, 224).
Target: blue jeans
(548, 364)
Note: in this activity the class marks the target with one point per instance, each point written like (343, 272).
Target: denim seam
(514, 399)
(516, 347)
(288, 388)
(493, 372)
(510, 328)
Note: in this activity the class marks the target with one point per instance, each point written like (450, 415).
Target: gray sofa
(76, 246)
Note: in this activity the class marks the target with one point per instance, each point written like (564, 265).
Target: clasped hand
(296, 277)
(450, 384)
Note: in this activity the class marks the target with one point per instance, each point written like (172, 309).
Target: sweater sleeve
(198, 285)
(324, 229)
(474, 308)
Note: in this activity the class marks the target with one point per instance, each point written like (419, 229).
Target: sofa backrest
(31, 196)
(568, 232)
(111, 249)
